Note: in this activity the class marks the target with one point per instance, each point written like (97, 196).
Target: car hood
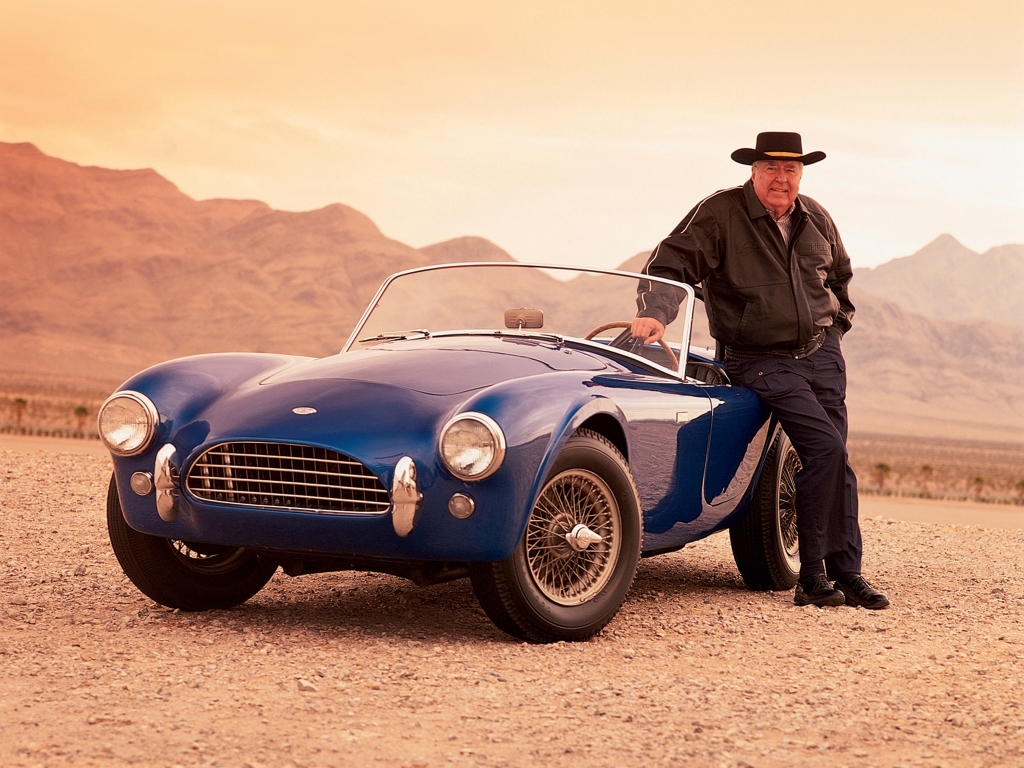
(443, 366)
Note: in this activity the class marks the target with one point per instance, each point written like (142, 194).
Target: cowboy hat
(777, 146)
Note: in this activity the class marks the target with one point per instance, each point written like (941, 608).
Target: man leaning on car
(776, 287)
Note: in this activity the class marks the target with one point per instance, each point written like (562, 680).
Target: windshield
(519, 299)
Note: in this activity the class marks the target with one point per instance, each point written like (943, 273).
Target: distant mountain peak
(635, 263)
(945, 248)
(20, 149)
(468, 248)
(944, 245)
(944, 240)
(948, 280)
(342, 217)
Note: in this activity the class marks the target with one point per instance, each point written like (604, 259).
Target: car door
(668, 432)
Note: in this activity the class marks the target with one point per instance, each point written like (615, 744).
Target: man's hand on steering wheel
(648, 329)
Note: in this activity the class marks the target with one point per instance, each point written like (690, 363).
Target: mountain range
(949, 281)
(103, 272)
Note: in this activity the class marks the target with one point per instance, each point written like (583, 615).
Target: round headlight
(472, 446)
(127, 422)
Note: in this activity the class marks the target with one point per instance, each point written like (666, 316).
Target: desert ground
(355, 669)
(940, 469)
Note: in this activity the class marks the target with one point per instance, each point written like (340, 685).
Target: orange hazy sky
(563, 131)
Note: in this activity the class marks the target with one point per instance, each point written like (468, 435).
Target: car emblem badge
(303, 410)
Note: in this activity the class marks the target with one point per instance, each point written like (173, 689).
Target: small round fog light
(142, 483)
(461, 506)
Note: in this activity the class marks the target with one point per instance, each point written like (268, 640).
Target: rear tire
(551, 589)
(765, 544)
(181, 574)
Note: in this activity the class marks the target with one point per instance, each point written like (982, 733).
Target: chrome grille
(298, 477)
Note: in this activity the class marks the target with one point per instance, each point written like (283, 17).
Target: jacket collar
(756, 209)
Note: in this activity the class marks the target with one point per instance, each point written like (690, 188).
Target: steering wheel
(628, 324)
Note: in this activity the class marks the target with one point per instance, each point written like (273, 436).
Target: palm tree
(977, 484)
(80, 413)
(20, 403)
(926, 475)
(882, 471)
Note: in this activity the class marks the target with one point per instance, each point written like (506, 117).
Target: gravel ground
(354, 669)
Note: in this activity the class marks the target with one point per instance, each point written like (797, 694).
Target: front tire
(181, 574)
(555, 586)
(765, 544)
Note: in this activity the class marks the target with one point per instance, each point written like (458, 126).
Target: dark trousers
(809, 398)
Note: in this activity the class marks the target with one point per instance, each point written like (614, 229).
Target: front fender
(559, 404)
(186, 386)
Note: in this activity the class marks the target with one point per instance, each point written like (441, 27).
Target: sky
(564, 132)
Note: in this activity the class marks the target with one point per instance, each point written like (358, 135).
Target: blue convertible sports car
(490, 420)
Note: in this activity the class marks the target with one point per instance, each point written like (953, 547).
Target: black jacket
(758, 292)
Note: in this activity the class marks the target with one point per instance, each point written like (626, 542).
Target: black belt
(751, 353)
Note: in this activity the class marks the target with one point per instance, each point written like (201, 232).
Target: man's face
(776, 183)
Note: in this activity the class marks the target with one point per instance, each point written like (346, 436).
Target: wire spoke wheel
(787, 506)
(565, 574)
(765, 541)
(190, 575)
(207, 558)
(576, 560)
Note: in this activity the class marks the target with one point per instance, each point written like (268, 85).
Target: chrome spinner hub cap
(581, 537)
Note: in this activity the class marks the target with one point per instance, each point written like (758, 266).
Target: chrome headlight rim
(497, 435)
(152, 417)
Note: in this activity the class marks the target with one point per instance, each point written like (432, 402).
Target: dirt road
(352, 669)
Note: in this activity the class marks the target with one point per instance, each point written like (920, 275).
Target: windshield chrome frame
(684, 350)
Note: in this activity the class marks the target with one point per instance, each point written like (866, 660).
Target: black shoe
(817, 591)
(858, 592)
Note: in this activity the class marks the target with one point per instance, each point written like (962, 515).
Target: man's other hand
(647, 329)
